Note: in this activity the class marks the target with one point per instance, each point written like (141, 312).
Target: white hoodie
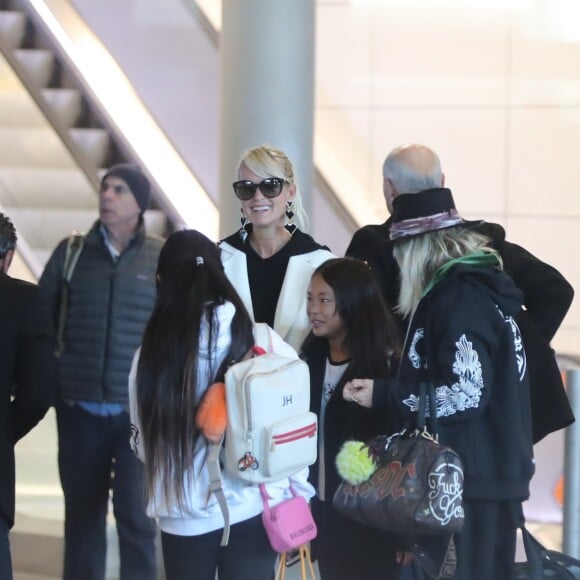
(202, 513)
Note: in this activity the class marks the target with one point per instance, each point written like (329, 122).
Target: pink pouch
(288, 524)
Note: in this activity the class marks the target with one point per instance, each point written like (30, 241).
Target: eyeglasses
(270, 187)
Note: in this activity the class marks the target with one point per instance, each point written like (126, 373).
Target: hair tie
(198, 260)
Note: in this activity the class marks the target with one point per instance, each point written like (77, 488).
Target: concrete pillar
(267, 90)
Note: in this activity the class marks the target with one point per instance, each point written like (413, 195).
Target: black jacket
(343, 420)
(547, 298)
(464, 341)
(109, 305)
(28, 381)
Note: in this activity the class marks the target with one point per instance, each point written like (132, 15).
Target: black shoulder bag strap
(427, 391)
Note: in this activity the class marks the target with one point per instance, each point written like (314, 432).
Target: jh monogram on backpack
(271, 432)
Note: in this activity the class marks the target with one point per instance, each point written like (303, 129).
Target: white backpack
(271, 432)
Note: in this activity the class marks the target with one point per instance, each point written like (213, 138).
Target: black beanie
(135, 179)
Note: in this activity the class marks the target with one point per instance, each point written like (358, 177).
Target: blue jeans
(94, 458)
(5, 561)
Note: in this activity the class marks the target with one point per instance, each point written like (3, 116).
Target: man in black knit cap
(108, 300)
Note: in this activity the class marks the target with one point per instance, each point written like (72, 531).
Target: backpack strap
(263, 336)
(215, 486)
(74, 247)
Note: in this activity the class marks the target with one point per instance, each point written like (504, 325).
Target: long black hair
(372, 335)
(191, 285)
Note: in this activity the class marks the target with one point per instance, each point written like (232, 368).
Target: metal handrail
(571, 509)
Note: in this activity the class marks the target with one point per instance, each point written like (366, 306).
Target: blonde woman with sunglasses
(270, 259)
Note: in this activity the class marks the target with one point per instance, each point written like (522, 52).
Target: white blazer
(290, 320)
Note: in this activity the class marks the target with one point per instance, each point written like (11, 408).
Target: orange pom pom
(211, 417)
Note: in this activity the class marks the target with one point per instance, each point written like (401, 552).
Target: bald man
(415, 168)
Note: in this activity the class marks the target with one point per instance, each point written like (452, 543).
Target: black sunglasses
(270, 187)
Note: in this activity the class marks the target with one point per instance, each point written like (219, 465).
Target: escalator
(66, 69)
(171, 52)
(57, 134)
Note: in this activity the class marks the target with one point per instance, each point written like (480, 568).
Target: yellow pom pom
(353, 462)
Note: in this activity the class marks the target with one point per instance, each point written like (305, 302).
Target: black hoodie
(463, 339)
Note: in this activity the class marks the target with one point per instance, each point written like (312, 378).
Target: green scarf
(479, 258)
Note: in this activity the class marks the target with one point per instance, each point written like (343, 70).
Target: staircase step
(36, 188)
(8, 76)
(37, 64)
(94, 143)
(17, 109)
(44, 228)
(12, 27)
(33, 146)
(66, 103)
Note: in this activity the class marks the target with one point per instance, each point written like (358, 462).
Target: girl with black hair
(353, 335)
(198, 325)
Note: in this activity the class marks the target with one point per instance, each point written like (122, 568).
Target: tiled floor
(37, 535)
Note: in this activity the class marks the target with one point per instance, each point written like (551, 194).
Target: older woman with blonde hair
(464, 342)
(270, 259)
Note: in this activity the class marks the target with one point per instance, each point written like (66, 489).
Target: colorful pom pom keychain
(355, 462)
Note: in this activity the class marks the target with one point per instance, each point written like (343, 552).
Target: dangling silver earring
(246, 227)
(289, 226)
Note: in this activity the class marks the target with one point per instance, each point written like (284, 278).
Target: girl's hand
(359, 391)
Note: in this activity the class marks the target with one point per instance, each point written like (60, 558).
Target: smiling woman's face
(262, 211)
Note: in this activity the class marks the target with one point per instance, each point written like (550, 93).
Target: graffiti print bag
(417, 487)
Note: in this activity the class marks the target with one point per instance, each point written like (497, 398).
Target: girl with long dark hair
(198, 325)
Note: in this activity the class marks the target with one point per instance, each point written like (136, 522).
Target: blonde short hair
(421, 256)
